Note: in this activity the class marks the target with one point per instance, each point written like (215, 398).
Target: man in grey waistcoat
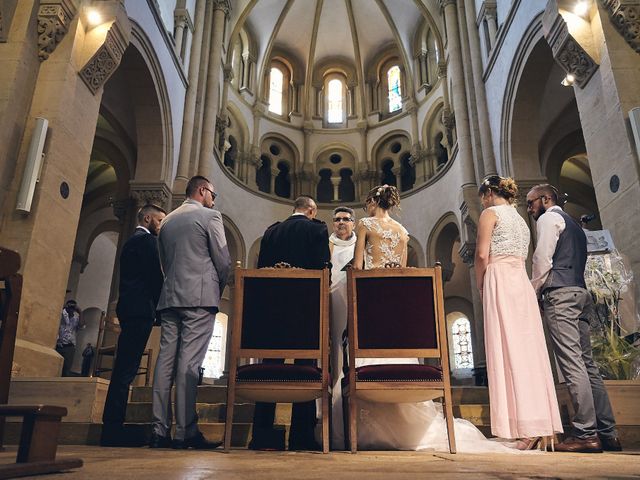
(558, 276)
(195, 261)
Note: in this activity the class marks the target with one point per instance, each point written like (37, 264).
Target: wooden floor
(141, 464)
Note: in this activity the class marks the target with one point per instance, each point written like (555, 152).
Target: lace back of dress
(387, 243)
(510, 235)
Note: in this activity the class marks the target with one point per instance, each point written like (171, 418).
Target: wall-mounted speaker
(634, 119)
(31, 173)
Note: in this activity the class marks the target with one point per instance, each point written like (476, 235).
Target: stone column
(335, 181)
(67, 92)
(492, 23)
(196, 141)
(458, 95)
(180, 21)
(212, 101)
(486, 145)
(468, 236)
(182, 174)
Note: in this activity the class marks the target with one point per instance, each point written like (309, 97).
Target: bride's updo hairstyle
(504, 187)
(386, 196)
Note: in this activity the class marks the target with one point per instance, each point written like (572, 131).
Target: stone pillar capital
(468, 252)
(567, 52)
(54, 17)
(155, 193)
(223, 5)
(182, 18)
(446, 3)
(227, 72)
(625, 17)
(107, 58)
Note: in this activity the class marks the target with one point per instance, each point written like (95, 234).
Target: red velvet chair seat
(397, 373)
(269, 372)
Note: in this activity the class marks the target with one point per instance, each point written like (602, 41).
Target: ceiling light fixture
(94, 18)
(581, 8)
(568, 80)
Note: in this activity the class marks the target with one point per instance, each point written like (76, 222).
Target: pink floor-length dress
(522, 393)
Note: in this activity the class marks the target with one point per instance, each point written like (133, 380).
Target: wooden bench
(41, 423)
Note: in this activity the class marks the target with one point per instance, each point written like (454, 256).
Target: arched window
(461, 339)
(395, 93)
(324, 191)
(263, 175)
(213, 363)
(388, 177)
(276, 88)
(346, 188)
(282, 184)
(335, 108)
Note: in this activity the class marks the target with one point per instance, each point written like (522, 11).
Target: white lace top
(386, 244)
(510, 235)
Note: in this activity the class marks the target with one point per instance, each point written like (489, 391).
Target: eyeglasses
(214, 195)
(342, 219)
(531, 202)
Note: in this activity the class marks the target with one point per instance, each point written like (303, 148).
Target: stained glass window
(395, 94)
(276, 81)
(462, 350)
(334, 95)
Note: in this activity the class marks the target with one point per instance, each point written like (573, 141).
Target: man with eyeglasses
(342, 243)
(196, 263)
(558, 276)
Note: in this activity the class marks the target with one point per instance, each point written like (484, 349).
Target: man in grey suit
(196, 264)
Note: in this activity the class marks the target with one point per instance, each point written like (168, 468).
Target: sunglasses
(342, 219)
(214, 195)
(531, 202)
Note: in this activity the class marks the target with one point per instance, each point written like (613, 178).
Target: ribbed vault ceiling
(315, 31)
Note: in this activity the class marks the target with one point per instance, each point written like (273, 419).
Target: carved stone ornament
(224, 5)
(468, 252)
(155, 193)
(54, 17)
(228, 73)
(568, 53)
(418, 154)
(446, 3)
(105, 61)
(120, 208)
(625, 16)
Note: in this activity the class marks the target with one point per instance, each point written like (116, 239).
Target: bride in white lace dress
(382, 241)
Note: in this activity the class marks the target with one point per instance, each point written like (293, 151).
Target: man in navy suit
(301, 241)
(141, 280)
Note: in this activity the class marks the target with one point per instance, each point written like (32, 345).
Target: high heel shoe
(528, 443)
(548, 441)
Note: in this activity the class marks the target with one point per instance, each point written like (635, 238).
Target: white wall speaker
(31, 173)
(634, 119)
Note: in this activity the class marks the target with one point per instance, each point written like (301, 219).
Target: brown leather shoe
(611, 444)
(580, 445)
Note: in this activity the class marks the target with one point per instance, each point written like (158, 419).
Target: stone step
(206, 394)
(140, 412)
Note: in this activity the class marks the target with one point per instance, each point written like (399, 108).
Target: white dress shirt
(549, 227)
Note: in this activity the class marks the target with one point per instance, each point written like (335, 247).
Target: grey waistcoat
(569, 258)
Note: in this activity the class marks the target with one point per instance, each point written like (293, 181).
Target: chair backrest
(281, 313)
(396, 313)
(10, 292)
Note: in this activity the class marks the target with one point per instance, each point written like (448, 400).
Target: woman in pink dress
(522, 393)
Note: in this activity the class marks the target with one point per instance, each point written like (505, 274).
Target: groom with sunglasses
(558, 276)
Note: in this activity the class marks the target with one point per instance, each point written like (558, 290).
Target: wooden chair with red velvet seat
(280, 313)
(396, 313)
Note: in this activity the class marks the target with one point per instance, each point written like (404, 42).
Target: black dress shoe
(158, 441)
(115, 435)
(580, 445)
(611, 444)
(197, 442)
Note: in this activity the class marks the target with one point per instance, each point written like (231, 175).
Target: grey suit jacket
(194, 257)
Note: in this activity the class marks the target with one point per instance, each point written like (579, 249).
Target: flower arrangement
(607, 279)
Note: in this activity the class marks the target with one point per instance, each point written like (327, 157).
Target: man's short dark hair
(148, 209)
(348, 210)
(195, 183)
(303, 202)
(549, 191)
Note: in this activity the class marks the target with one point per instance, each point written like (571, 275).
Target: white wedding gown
(386, 426)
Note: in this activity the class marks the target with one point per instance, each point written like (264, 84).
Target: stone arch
(415, 253)
(254, 252)
(278, 152)
(437, 139)
(390, 148)
(235, 242)
(152, 109)
(335, 165)
(439, 245)
(427, 50)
